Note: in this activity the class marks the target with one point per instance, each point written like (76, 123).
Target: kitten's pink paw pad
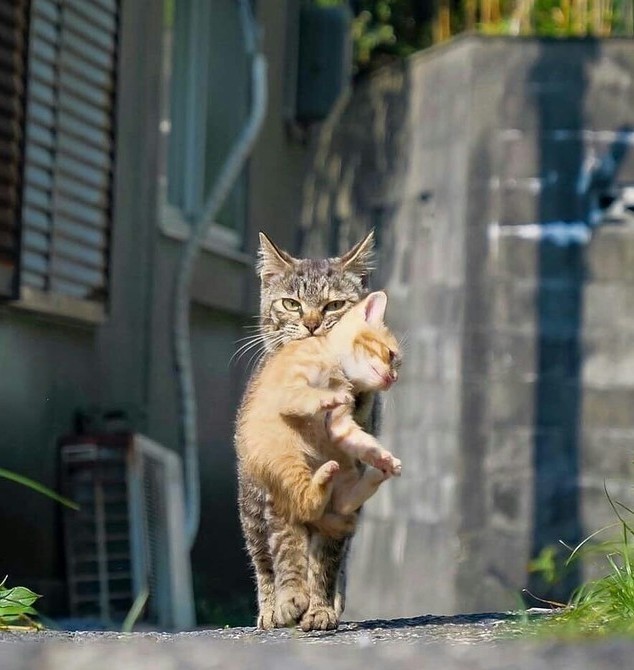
(319, 618)
(388, 464)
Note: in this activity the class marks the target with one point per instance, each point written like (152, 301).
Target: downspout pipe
(181, 341)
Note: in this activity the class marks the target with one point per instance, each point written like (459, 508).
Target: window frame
(175, 222)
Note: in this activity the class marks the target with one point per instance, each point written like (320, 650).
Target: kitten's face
(369, 353)
(305, 297)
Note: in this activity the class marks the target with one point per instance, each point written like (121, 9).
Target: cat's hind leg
(289, 548)
(251, 506)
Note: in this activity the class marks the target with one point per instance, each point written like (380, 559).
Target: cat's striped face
(305, 297)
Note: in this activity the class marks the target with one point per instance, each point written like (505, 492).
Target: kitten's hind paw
(319, 618)
(388, 464)
(325, 474)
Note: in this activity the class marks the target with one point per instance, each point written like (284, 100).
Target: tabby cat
(296, 435)
(300, 572)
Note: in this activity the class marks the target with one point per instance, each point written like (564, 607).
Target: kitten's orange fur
(296, 434)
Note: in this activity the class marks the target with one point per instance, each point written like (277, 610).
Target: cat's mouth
(388, 378)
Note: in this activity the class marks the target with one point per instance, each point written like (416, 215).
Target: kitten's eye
(291, 305)
(335, 305)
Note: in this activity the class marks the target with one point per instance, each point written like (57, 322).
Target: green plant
(604, 606)
(16, 606)
(39, 488)
(389, 29)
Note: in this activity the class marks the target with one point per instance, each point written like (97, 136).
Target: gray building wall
(51, 367)
(515, 399)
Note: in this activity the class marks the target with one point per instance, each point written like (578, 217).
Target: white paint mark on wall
(530, 184)
(561, 233)
(399, 542)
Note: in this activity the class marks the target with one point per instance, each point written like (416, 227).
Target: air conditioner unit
(129, 535)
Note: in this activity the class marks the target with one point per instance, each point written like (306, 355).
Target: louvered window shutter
(68, 152)
(13, 25)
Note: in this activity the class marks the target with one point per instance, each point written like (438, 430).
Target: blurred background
(489, 145)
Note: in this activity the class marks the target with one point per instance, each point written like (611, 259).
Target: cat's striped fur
(308, 565)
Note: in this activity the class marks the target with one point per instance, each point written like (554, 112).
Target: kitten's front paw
(319, 617)
(336, 400)
(266, 619)
(291, 605)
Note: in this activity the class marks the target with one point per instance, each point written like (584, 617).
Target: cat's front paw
(292, 603)
(337, 399)
(319, 617)
(266, 619)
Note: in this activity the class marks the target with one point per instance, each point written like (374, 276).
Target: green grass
(602, 607)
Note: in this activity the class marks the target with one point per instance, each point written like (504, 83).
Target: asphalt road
(471, 642)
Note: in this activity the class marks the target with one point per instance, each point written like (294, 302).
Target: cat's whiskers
(257, 340)
(270, 344)
(404, 340)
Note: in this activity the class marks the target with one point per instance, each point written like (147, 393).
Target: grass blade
(39, 488)
(135, 611)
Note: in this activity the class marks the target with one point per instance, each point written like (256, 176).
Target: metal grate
(129, 535)
(154, 526)
(98, 544)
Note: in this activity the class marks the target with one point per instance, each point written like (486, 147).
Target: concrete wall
(515, 400)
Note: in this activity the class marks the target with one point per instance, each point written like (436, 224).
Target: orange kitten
(296, 435)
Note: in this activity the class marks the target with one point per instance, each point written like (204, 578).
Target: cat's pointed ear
(374, 308)
(271, 259)
(360, 259)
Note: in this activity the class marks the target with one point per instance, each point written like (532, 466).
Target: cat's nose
(311, 326)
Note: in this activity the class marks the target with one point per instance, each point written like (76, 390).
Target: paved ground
(471, 642)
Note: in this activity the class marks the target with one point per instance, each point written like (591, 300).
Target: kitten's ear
(360, 259)
(271, 259)
(374, 308)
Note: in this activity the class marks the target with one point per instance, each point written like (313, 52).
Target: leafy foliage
(388, 29)
(16, 605)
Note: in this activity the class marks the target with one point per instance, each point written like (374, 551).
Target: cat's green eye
(335, 305)
(291, 305)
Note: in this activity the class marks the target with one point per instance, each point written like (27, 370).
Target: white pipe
(181, 335)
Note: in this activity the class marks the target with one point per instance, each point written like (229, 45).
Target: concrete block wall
(479, 165)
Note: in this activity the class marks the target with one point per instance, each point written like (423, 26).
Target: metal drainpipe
(180, 333)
